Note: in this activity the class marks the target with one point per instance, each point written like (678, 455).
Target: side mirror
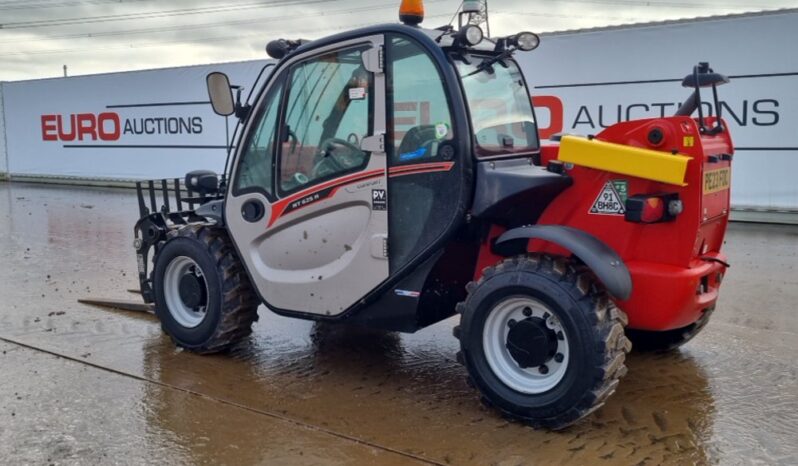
(220, 93)
(704, 80)
(202, 182)
(704, 76)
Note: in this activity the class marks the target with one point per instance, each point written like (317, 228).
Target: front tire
(541, 341)
(203, 296)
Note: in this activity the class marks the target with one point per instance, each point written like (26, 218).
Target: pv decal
(379, 199)
(612, 198)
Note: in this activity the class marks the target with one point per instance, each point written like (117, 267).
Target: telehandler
(393, 176)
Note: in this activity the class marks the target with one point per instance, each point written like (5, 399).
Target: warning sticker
(441, 130)
(622, 188)
(612, 198)
(357, 93)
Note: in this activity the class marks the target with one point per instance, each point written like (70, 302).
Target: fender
(602, 259)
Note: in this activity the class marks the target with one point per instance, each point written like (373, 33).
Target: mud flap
(602, 260)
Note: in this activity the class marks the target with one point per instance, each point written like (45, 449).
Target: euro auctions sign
(109, 126)
(136, 125)
(739, 113)
(105, 126)
(584, 81)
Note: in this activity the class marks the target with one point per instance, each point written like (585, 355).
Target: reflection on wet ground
(298, 392)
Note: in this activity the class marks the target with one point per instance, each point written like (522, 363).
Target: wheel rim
(184, 306)
(550, 347)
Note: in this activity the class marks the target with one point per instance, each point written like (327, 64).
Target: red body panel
(676, 266)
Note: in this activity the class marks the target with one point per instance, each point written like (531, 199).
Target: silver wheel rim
(184, 315)
(504, 366)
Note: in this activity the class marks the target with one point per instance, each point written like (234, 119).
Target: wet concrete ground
(79, 384)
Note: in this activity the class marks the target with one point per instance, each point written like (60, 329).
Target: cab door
(307, 207)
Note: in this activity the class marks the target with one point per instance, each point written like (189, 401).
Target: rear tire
(203, 296)
(579, 344)
(669, 340)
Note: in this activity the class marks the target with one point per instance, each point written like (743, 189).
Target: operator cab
(357, 157)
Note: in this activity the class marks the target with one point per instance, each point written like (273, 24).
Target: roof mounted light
(525, 41)
(279, 48)
(411, 12)
(470, 35)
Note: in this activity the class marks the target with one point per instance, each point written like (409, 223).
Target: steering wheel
(331, 161)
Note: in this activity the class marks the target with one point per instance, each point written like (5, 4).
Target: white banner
(585, 81)
(135, 125)
(155, 124)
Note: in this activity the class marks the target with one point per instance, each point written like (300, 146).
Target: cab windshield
(501, 109)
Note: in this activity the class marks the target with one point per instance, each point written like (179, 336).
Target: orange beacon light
(411, 12)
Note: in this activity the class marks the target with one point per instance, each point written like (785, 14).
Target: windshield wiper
(487, 65)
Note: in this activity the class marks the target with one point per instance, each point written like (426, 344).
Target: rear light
(653, 208)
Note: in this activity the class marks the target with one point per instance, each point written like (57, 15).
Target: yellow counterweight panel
(626, 160)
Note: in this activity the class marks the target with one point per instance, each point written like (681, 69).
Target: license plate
(717, 180)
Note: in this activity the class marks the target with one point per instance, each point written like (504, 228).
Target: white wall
(766, 106)
(758, 47)
(3, 153)
(137, 125)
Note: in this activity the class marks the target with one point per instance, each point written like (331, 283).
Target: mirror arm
(718, 112)
(241, 111)
(695, 102)
(699, 102)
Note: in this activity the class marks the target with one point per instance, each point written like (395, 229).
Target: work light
(526, 41)
(469, 35)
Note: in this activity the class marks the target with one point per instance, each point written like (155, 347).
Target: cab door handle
(252, 210)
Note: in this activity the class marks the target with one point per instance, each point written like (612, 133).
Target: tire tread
(239, 307)
(610, 340)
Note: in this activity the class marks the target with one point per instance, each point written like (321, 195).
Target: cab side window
(257, 161)
(328, 113)
(424, 204)
(421, 118)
